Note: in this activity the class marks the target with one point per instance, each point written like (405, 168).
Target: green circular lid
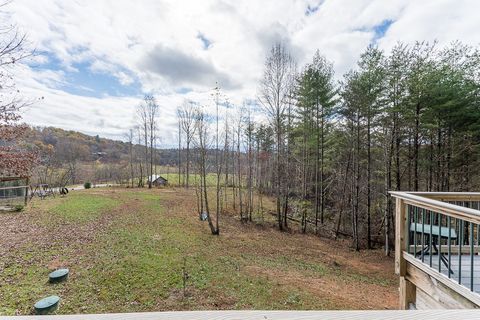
(46, 305)
(58, 275)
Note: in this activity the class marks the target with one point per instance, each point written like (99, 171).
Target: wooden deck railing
(437, 244)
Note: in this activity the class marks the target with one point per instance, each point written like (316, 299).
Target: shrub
(87, 185)
(18, 207)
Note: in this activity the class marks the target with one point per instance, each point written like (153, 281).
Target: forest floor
(126, 250)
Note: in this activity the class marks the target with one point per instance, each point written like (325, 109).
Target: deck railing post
(407, 290)
(400, 236)
(407, 294)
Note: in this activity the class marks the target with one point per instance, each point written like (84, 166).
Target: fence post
(26, 190)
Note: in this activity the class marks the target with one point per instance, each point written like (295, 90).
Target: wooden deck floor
(466, 267)
(271, 315)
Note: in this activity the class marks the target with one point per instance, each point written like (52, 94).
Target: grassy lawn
(126, 250)
(79, 208)
(172, 178)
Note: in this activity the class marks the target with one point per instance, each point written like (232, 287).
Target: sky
(95, 60)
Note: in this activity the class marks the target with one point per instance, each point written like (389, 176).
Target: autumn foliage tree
(15, 160)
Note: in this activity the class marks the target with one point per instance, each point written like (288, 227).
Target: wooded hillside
(330, 151)
(87, 158)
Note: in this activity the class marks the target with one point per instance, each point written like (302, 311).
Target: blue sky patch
(378, 30)
(381, 29)
(205, 41)
(85, 82)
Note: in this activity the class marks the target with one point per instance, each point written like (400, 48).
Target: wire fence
(12, 194)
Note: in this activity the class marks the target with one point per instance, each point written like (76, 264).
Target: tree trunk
(369, 183)
(416, 147)
(179, 154)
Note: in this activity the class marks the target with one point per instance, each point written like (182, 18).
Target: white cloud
(156, 44)
(123, 78)
(108, 116)
(441, 20)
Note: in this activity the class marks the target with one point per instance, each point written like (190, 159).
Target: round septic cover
(46, 305)
(58, 275)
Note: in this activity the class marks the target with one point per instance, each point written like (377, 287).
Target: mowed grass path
(126, 250)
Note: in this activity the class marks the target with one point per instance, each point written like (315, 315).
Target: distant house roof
(155, 177)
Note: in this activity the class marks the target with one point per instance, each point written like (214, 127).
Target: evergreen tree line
(329, 151)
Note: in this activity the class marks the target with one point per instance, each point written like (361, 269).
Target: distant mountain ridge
(89, 148)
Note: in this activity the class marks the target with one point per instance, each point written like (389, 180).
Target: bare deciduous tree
(186, 117)
(14, 160)
(275, 88)
(147, 113)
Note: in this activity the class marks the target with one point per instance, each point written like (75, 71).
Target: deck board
(273, 315)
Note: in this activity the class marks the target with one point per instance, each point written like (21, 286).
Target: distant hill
(66, 143)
